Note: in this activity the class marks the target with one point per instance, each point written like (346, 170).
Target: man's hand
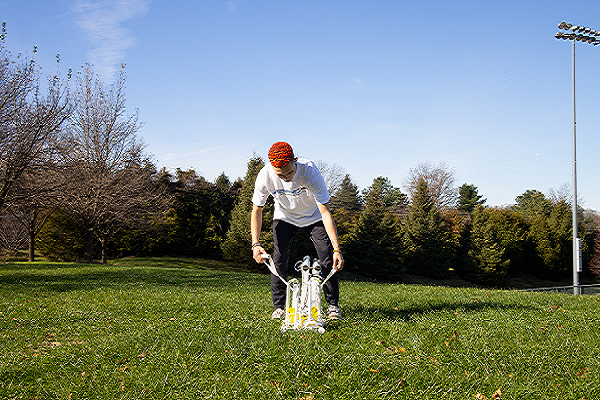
(257, 253)
(338, 261)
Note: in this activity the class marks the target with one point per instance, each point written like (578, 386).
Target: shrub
(62, 239)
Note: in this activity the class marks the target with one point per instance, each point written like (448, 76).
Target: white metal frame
(303, 308)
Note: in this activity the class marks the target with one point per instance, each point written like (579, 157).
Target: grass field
(194, 329)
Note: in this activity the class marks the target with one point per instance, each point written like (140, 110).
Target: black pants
(283, 234)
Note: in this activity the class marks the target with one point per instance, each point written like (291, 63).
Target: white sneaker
(278, 314)
(333, 312)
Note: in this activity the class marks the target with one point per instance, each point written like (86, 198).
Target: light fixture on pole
(583, 34)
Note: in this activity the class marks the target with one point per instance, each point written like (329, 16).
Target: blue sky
(375, 87)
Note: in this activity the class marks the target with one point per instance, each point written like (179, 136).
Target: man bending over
(301, 201)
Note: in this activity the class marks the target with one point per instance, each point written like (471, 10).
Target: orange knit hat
(280, 154)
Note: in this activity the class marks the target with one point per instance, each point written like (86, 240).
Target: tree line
(437, 230)
(69, 152)
(76, 184)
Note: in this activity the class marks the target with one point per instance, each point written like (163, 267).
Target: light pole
(584, 34)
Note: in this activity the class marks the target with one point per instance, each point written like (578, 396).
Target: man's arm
(255, 227)
(338, 260)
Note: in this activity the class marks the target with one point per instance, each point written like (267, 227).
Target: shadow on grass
(407, 314)
(177, 262)
(72, 277)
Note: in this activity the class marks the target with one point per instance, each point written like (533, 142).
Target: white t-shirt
(295, 201)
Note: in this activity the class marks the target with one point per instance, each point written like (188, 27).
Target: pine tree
(429, 251)
(236, 247)
(488, 257)
(511, 230)
(551, 235)
(383, 189)
(347, 197)
(468, 198)
(532, 204)
(374, 246)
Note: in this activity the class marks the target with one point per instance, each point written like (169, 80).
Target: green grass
(193, 329)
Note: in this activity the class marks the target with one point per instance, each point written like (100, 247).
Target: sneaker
(333, 312)
(278, 314)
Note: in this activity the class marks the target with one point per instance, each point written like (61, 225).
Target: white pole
(584, 34)
(574, 201)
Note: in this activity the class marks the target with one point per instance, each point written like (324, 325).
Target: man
(301, 201)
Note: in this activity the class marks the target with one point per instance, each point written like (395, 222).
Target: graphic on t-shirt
(295, 192)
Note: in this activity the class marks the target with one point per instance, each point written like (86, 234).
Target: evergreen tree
(373, 248)
(62, 239)
(347, 197)
(468, 198)
(201, 216)
(487, 255)
(236, 247)
(389, 195)
(427, 242)
(552, 237)
(223, 181)
(512, 231)
(532, 204)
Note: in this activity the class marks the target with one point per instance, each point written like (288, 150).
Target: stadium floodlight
(587, 37)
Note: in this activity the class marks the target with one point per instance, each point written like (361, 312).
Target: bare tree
(29, 121)
(440, 183)
(131, 197)
(13, 235)
(333, 175)
(108, 184)
(564, 193)
(34, 197)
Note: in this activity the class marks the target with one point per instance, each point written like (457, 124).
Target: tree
(373, 247)
(33, 199)
(200, 215)
(427, 242)
(593, 240)
(29, 122)
(440, 183)
(333, 175)
(236, 247)
(512, 231)
(347, 196)
(136, 203)
(469, 198)
(532, 204)
(551, 234)
(13, 235)
(488, 257)
(108, 175)
(385, 192)
(223, 181)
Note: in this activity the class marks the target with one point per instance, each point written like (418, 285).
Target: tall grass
(190, 329)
